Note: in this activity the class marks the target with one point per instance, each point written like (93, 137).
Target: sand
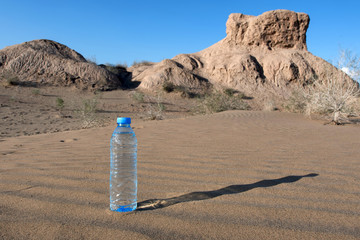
(231, 175)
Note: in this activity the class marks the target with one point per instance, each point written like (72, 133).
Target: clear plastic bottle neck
(123, 125)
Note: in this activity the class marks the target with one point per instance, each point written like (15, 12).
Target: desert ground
(229, 175)
(35, 110)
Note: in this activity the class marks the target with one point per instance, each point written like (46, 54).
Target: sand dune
(232, 175)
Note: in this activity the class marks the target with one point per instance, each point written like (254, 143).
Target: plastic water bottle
(123, 170)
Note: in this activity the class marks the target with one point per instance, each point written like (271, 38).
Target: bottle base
(126, 208)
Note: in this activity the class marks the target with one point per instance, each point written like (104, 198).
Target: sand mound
(178, 71)
(45, 62)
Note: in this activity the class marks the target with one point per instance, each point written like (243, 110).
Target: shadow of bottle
(152, 204)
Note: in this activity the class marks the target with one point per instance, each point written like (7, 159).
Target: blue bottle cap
(123, 120)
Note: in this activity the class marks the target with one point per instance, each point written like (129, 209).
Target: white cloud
(353, 74)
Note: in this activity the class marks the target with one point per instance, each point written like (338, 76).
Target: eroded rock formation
(46, 62)
(274, 29)
(267, 53)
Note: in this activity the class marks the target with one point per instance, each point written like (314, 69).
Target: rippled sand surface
(232, 175)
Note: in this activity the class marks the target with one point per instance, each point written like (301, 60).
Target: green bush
(36, 92)
(60, 104)
(230, 92)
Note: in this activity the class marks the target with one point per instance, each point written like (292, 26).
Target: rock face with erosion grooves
(260, 55)
(274, 29)
(51, 63)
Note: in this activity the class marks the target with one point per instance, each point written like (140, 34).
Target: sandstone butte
(263, 55)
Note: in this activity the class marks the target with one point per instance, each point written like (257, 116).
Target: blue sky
(126, 31)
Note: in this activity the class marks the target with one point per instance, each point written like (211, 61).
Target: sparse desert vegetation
(87, 112)
(335, 96)
(60, 103)
(139, 97)
(219, 101)
(335, 100)
(184, 91)
(8, 79)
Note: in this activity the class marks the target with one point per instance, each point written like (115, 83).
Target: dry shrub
(87, 112)
(220, 101)
(297, 101)
(335, 95)
(138, 96)
(142, 62)
(332, 98)
(269, 105)
(9, 78)
(156, 108)
(185, 92)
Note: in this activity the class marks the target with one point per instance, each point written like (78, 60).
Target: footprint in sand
(69, 140)
(7, 153)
